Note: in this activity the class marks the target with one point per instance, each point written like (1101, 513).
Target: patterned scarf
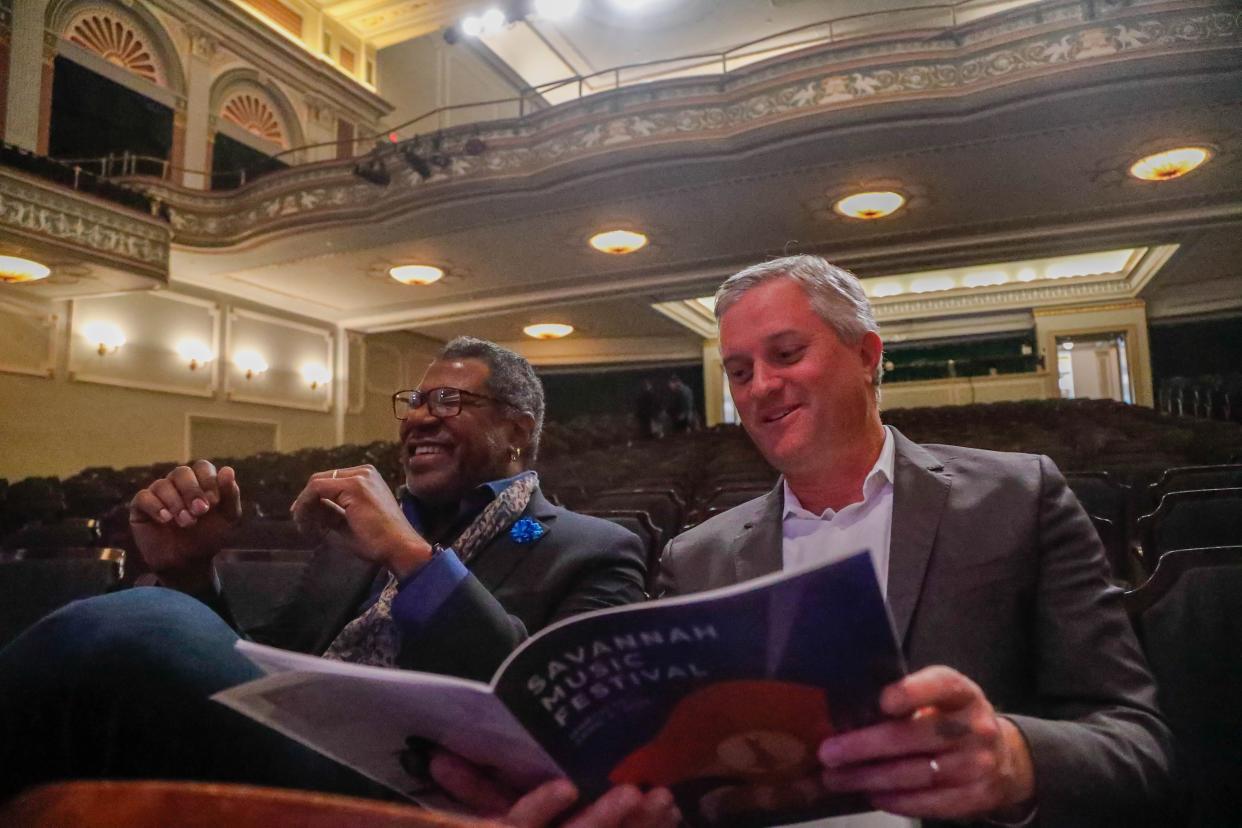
(373, 637)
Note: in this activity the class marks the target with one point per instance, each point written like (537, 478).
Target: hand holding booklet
(722, 696)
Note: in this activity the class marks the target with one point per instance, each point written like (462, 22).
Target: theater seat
(1190, 520)
(158, 804)
(30, 588)
(1186, 616)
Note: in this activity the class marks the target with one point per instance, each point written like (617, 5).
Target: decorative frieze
(987, 54)
(78, 222)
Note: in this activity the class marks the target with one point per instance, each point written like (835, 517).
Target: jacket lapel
(920, 489)
(496, 561)
(756, 550)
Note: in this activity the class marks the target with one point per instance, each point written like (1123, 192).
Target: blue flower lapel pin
(527, 530)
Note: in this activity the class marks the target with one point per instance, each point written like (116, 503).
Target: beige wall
(392, 362)
(64, 408)
(424, 74)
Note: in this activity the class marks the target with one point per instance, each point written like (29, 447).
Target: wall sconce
(105, 336)
(250, 362)
(195, 351)
(315, 374)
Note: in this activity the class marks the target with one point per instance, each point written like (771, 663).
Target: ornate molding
(119, 39)
(1026, 44)
(202, 43)
(40, 212)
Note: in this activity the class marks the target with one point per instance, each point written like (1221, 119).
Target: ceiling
(1012, 173)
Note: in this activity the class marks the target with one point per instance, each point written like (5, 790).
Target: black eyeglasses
(440, 402)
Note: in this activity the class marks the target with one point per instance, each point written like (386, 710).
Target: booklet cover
(721, 696)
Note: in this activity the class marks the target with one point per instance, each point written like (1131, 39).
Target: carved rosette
(119, 39)
(255, 115)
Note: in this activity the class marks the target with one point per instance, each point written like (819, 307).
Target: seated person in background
(449, 578)
(1029, 700)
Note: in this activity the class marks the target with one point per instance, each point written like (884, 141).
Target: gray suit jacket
(581, 563)
(995, 570)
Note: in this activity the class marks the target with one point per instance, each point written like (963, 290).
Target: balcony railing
(932, 21)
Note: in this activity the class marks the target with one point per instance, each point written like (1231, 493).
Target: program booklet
(723, 697)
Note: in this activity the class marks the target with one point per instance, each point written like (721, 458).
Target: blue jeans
(117, 687)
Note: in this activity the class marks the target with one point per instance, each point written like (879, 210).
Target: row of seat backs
(1187, 618)
(1187, 507)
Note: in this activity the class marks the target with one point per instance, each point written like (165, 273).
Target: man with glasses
(449, 576)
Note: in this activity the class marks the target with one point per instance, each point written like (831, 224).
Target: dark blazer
(581, 563)
(995, 571)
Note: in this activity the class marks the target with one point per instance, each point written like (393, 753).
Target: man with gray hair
(1029, 697)
(448, 576)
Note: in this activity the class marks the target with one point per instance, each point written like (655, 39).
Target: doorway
(1094, 366)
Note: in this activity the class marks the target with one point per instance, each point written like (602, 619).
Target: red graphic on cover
(756, 731)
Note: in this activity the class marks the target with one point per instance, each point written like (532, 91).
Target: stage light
(493, 20)
(415, 161)
(14, 269)
(548, 330)
(868, 206)
(372, 169)
(1170, 164)
(416, 274)
(618, 242)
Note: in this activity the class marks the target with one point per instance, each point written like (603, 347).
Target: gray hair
(509, 378)
(836, 295)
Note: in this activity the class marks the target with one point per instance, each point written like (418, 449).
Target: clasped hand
(182, 520)
(369, 522)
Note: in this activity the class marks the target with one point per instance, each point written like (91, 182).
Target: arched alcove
(240, 97)
(124, 35)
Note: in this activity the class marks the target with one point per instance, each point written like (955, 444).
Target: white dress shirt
(809, 539)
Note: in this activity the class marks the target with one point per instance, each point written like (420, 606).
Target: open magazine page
(378, 720)
(724, 697)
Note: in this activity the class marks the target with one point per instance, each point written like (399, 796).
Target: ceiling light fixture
(872, 205)
(196, 352)
(105, 336)
(251, 362)
(14, 269)
(472, 26)
(416, 274)
(548, 330)
(1170, 164)
(618, 242)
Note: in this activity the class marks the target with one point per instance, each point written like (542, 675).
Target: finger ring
(334, 471)
(934, 767)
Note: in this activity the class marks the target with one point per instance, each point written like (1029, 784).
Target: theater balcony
(95, 237)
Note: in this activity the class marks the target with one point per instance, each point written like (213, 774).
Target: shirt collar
(471, 504)
(880, 475)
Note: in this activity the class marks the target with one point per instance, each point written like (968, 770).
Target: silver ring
(934, 767)
(334, 471)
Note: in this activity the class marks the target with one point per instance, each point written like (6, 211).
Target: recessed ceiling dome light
(416, 274)
(14, 269)
(869, 206)
(1170, 164)
(618, 242)
(548, 330)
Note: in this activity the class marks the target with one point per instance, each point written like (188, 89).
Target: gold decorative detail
(253, 114)
(117, 42)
